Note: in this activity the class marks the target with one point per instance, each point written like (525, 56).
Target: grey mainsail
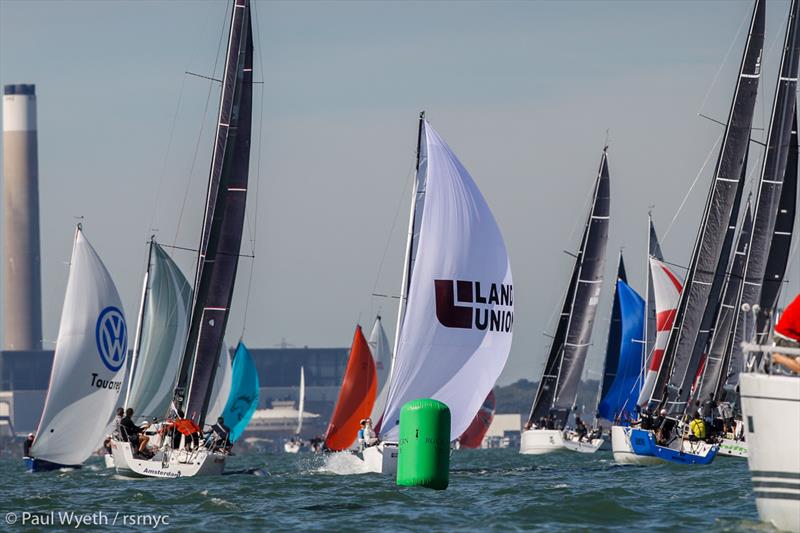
(771, 181)
(781, 245)
(558, 388)
(716, 361)
(680, 354)
(218, 255)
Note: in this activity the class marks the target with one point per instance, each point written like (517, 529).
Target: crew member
(133, 433)
(697, 428)
(787, 335)
(368, 434)
(26, 446)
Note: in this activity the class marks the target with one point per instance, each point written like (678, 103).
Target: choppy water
(489, 489)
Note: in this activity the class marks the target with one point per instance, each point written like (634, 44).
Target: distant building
(25, 375)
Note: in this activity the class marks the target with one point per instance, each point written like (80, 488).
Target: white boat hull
(291, 447)
(771, 409)
(573, 443)
(172, 464)
(623, 452)
(381, 459)
(109, 460)
(733, 448)
(541, 441)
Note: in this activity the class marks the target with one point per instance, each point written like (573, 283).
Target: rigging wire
(745, 18)
(202, 128)
(252, 231)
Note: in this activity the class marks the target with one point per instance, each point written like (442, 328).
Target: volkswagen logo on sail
(112, 338)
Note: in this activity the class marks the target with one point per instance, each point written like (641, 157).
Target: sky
(525, 93)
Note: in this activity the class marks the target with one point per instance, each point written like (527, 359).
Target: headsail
(243, 397)
(221, 389)
(89, 362)
(456, 333)
(558, 388)
(356, 396)
(302, 403)
(221, 239)
(619, 402)
(474, 434)
(654, 250)
(381, 352)
(681, 355)
(614, 335)
(164, 321)
(667, 291)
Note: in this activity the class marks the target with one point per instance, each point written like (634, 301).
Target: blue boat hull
(32, 464)
(643, 442)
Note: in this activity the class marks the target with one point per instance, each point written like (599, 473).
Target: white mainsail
(382, 353)
(89, 362)
(164, 323)
(457, 327)
(222, 386)
(302, 403)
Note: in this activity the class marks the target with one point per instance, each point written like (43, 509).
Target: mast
(414, 219)
(558, 388)
(220, 243)
(681, 357)
(773, 171)
(139, 322)
(781, 244)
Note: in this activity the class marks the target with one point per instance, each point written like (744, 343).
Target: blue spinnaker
(243, 398)
(619, 402)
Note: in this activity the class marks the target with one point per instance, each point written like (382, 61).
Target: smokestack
(22, 290)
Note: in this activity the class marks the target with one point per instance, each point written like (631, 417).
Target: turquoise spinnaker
(243, 398)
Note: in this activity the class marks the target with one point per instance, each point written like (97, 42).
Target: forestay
(457, 330)
(89, 362)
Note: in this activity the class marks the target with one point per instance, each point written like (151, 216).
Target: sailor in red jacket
(787, 334)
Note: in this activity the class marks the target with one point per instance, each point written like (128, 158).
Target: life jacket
(186, 426)
(698, 428)
(789, 324)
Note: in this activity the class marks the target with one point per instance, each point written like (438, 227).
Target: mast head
(422, 115)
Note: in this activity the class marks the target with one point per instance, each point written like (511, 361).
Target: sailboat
(296, 443)
(88, 365)
(699, 298)
(456, 309)
(546, 429)
(356, 396)
(217, 262)
(663, 291)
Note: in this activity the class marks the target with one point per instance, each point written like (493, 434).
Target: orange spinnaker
(473, 435)
(356, 396)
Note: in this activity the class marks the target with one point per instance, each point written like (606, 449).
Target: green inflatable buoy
(423, 453)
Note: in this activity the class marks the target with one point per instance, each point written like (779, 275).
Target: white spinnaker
(382, 353)
(302, 403)
(165, 322)
(667, 291)
(222, 386)
(459, 241)
(89, 362)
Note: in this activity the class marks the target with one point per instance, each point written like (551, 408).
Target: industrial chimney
(22, 290)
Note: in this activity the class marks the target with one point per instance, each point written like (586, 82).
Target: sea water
(489, 490)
